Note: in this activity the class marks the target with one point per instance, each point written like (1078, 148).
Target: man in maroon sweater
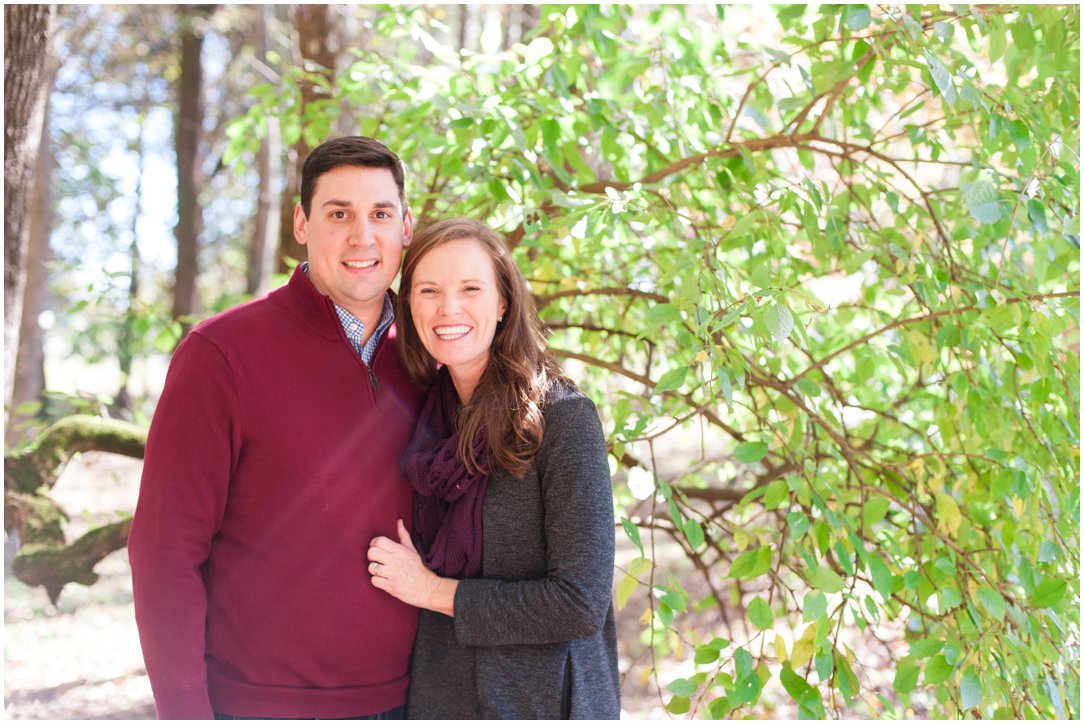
(271, 463)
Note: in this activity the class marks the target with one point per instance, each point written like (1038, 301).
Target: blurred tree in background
(819, 267)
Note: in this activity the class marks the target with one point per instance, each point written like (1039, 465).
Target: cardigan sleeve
(574, 597)
(191, 451)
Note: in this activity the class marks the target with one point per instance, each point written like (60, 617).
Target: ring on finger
(374, 567)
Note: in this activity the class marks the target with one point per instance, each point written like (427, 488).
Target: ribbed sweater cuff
(188, 704)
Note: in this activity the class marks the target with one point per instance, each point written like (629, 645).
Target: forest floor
(81, 659)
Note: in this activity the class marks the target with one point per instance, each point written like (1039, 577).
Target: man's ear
(408, 228)
(300, 225)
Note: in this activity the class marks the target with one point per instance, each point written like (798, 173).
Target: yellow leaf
(780, 648)
(949, 517)
(645, 619)
(729, 221)
(1017, 506)
(702, 356)
(803, 648)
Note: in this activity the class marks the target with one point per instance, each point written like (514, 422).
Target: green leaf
(950, 598)
(938, 670)
(827, 580)
(752, 563)
(875, 510)
(814, 606)
(970, 691)
(982, 200)
(881, 576)
(776, 494)
(780, 321)
(678, 705)
(682, 687)
(857, 17)
(845, 678)
(661, 314)
(694, 533)
(672, 380)
(633, 533)
(925, 648)
(762, 276)
(907, 672)
(760, 614)
(992, 602)
(1049, 592)
(705, 655)
(1037, 216)
(942, 78)
(751, 452)
(798, 523)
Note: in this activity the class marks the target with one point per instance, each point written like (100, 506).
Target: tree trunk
(189, 166)
(312, 28)
(29, 382)
(27, 33)
(126, 341)
(464, 21)
(261, 258)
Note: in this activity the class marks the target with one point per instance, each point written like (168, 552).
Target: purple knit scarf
(447, 498)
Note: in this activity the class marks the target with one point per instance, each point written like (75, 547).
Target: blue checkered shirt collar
(355, 328)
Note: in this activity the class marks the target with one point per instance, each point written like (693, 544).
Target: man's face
(355, 234)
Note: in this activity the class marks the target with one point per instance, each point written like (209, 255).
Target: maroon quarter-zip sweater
(272, 461)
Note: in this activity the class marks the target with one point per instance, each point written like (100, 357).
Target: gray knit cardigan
(534, 636)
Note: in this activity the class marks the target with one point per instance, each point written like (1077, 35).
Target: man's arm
(191, 451)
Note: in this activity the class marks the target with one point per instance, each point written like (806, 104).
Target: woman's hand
(398, 569)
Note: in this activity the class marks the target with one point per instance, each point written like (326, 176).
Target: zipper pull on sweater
(373, 381)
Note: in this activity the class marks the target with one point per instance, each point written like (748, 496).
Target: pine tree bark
(261, 259)
(189, 167)
(27, 33)
(29, 382)
(312, 28)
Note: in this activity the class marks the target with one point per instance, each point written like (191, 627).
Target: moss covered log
(41, 464)
(45, 558)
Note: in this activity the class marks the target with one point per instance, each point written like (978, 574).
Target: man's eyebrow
(349, 204)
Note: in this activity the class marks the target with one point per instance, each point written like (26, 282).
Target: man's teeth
(451, 332)
(359, 264)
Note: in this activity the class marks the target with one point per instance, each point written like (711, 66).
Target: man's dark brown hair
(349, 151)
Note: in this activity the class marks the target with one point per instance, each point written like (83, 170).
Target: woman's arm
(572, 600)
(398, 569)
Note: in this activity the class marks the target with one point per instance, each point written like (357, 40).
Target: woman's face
(455, 303)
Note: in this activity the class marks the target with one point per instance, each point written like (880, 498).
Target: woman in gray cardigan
(512, 552)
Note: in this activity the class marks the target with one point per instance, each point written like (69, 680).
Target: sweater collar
(309, 307)
(304, 303)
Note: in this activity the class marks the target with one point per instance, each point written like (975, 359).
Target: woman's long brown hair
(508, 400)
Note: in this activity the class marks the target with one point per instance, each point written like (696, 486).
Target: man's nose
(362, 233)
